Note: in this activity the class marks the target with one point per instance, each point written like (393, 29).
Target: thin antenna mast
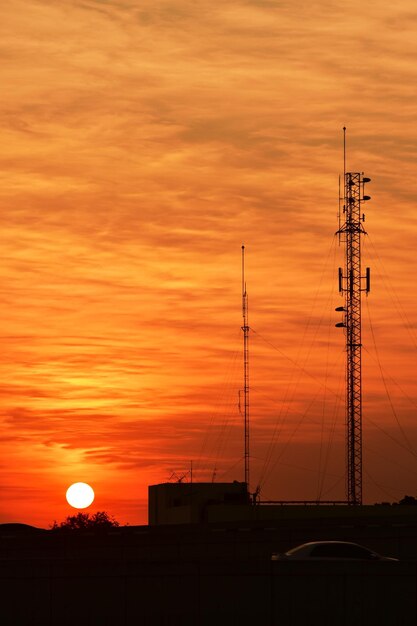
(344, 177)
(351, 285)
(344, 152)
(245, 329)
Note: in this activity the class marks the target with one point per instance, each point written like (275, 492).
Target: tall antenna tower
(245, 329)
(351, 285)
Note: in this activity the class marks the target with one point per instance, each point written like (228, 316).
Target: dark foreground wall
(109, 592)
(206, 575)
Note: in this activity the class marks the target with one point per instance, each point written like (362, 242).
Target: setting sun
(80, 495)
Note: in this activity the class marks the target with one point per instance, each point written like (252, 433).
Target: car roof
(319, 543)
(310, 544)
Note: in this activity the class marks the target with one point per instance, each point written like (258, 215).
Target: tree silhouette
(80, 521)
(408, 500)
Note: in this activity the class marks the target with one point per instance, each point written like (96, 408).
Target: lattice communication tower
(245, 329)
(351, 285)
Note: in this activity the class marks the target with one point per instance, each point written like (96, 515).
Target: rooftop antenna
(245, 329)
(351, 285)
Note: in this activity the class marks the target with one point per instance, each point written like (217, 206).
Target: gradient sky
(142, 144)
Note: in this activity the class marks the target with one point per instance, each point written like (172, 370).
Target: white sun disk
(80, 495)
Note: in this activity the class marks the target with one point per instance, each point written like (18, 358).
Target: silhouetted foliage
(99, 520)
(408, 500)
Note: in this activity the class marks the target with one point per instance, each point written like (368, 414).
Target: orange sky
(142, 144)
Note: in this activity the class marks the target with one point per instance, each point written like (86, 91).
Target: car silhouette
(330, 551)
